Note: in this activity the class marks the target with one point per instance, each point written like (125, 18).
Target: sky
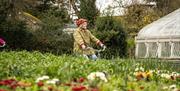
(102, 5)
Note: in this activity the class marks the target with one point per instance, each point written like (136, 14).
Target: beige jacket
(83, 37)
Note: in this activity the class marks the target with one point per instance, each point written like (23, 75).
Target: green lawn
(122, 74)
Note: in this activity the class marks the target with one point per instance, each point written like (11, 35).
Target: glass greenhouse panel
(176, 51)
(141, 50)
(166, 49)
(152, 50)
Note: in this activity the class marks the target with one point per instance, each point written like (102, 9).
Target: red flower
(78, 88)
(2, 90)
(40, 84)
(81, 80)
(8, 81)
(13, 86)
(2, 83)
(12, 83)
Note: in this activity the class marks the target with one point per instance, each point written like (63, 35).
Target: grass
(28, 66)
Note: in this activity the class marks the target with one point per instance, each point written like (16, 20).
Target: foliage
(131, 47)
(11, 8)
(3, 11)
(111, 33)
(166, 6)
(16, 35)
(54, 41)
(49, 38)
(27, 66)
(137, 16)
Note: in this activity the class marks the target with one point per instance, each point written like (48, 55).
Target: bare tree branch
(73, 4)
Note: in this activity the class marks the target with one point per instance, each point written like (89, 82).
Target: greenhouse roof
(165, 27)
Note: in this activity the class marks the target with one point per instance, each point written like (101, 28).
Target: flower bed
(25, 71)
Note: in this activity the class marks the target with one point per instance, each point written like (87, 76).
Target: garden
(34, 71)
(36, 54)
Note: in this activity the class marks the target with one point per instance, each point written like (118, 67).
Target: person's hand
(83, 47)
(88, 48)
(103, 46)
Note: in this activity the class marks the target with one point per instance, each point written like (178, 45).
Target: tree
(110, 31)
(11, 8)
(166, 6)
(88, 11)
(74, 4)
(85, 9)
(3, 12)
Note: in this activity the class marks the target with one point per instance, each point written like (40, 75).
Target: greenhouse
(160, 39)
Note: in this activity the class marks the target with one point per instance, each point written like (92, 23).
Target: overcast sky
(103, 5)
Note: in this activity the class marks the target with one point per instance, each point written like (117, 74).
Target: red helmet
(80, 21)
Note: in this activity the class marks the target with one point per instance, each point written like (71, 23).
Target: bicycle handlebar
(97, 50)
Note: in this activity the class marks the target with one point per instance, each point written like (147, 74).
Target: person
(83, 40)
(2, 42)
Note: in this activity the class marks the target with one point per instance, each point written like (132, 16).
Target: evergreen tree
(88, 11)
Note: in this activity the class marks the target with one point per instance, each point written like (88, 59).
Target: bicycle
(97, 52)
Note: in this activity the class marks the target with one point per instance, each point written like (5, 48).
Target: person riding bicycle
(83, 40)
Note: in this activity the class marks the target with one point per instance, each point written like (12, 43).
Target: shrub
(16, 35)
(54, 41)
(49, 38)
(112, 34)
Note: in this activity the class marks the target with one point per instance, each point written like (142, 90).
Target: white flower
(94, 75)
(141, 68)
(39, 79)
(51, 82)
(167, 76)
(165, 87)
(45, 77)
(91, 76)
(42, 78)
(137, 69)
(55, 79)
(172, 86)
(175, 74)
